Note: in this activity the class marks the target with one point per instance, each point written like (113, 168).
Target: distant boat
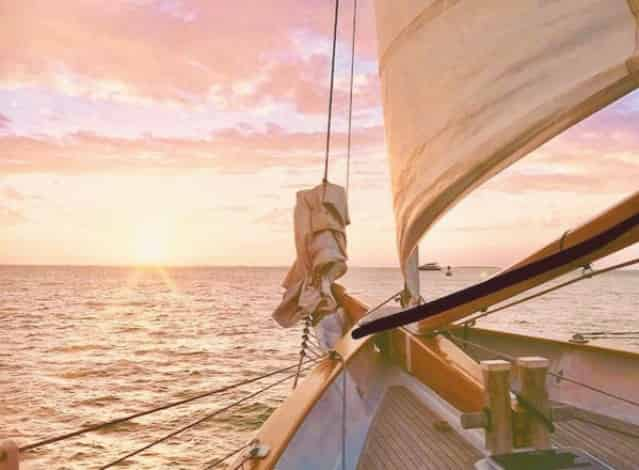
(430, 267)
(449, 271)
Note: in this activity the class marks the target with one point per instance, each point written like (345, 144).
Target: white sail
(470, 86)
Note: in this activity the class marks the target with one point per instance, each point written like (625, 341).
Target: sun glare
(151, 245)
(151, 251)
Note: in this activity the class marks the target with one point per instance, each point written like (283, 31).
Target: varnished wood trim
(354, 308)
(281, 426)
(611, 231)
(549, 341)
(442, 366)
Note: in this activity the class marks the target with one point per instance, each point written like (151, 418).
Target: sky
(177, 132)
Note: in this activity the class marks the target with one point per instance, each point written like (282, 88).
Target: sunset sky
(177, 132)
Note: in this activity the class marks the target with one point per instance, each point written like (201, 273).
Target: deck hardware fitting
(257, 450)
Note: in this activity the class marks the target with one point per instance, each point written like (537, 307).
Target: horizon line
(151, 266)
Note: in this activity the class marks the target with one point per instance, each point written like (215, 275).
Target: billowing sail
(471, 86)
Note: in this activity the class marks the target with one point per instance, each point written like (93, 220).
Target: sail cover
(471, 86)
(321, 217)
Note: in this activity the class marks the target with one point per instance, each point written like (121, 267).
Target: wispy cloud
(229, 54)
(4, 122)
(10, 217)
(11, 194)
(215, 113)
(229, 151)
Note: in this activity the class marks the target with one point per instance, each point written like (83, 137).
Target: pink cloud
(234, 53)
(228, 151)
(4, 122)
(10, 217)
(10, 193)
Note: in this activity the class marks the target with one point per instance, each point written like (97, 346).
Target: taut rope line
(350, 100)
(588, 275)
(330, 94)
(196, 422)
(122, 419)
(214, 463)
(510, 358)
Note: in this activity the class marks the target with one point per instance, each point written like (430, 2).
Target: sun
(151, 251)
(151, 243)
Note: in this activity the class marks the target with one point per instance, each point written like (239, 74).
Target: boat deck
(406, 434)
(613, 443)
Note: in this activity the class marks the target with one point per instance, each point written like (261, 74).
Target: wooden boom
(607, 233)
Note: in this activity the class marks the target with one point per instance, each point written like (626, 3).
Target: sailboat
(468, 88)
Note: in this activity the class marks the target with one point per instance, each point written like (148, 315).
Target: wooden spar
(436, 362)
(441, 365)
(622, 211)
(611, 231)
(625, 209)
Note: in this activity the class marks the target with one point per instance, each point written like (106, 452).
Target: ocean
(80, 345)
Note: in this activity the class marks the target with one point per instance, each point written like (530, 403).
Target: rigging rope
(214, 463)
(330, 96)
(395, 297)
(196, 422)
(122, 419)
(513, 359)
(350, 100)
(513, 278)
(586, 275)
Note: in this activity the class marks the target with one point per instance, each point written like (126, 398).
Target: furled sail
(321, 217)
(471, 86)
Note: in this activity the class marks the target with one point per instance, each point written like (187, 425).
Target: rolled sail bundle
(471, 86)
(321, 217)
